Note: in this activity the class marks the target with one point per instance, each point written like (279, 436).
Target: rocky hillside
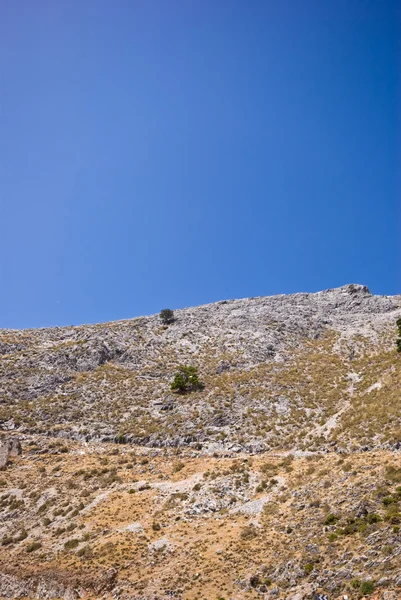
(304, 371)
(94, 520)
(281, 477)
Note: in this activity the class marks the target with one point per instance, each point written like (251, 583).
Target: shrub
(373, 518)
(186, 380)
(70, 544)
(366, 588)
(392, 515)
(261, 487)
(331, 519)
(85, 552)
(167, 316)
(254, 581)
(7, 540)
(43, 507)
(16, 504)
(34, 546)
(178, 466)
(21, 536)
(270, 508)
(248, 532)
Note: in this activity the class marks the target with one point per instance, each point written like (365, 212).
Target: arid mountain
(304, 371)
(280, 477)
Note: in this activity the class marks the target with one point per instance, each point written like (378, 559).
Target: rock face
(13, 587)
(8, 447)
(278, 370)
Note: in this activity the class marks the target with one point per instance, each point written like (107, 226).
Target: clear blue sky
(171, 153)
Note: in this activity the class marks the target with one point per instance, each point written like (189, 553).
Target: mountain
(304, 371)
(280, 476)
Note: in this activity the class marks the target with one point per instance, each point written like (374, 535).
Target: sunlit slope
(303, 371)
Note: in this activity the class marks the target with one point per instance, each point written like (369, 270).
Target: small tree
(398, 341)
(186, 380)
(167, 316)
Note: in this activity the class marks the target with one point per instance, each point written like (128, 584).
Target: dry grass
(73, 511)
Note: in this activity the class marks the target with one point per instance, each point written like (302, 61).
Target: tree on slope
(186, 380)
(167, 316)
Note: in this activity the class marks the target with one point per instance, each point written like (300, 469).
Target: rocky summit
(278, 477)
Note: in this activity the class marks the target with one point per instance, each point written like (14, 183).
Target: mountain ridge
(356, 287)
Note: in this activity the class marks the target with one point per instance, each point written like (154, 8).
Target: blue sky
(172, 153)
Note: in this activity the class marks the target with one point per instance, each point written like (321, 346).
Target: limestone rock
(9, 447)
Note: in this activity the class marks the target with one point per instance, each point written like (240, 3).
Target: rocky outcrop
(14, 587)
(53, 585)
(8, 447)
